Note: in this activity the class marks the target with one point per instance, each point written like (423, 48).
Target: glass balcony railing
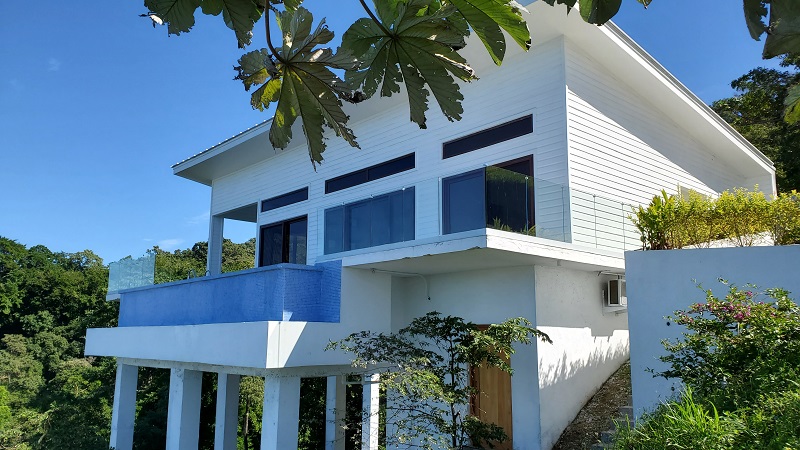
(129, 273)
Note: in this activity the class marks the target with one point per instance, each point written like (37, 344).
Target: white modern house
(519, 209)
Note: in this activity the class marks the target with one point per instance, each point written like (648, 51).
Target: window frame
(370, 173)
(285, 240)
(506, 131)
(289, 198)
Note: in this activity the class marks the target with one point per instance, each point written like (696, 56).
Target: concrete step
(607, 437)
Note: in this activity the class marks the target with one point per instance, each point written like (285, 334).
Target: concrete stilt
(335, 412)
(227, 424)
(183, 417)
(123, 413)
(281, 413)
(371, 404)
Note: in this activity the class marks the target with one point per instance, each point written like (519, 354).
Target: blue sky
(96, 105)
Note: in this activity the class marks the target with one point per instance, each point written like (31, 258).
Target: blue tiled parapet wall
(290, 292)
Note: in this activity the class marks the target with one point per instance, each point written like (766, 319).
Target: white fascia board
(250, 345)
(480, 249)
(226, 344)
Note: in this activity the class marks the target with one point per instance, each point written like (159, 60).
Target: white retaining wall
(661, 282)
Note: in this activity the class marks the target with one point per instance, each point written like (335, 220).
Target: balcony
(283, 292)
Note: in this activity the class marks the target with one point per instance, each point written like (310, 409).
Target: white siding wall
(531, 83)
(588, 345)
(623, 148)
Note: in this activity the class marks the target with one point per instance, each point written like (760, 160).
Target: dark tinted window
(463, 198)
(384, 219)
(491, 136)
(371, 173)
(284, 200)
(284, 242)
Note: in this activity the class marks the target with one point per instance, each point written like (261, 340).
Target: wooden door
(493, 404)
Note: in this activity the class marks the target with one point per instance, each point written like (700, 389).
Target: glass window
(284, 199)
(499, 196)
(485, 138)
(464, 202)
(371, 173)
(284, 242)
(334, 230)
(384, 219)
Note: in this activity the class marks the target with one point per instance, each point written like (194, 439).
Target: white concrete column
(335, 407)
(281, 413)
(227, 424)
(183, 416)
(371, 405)
(214, 259)
(123, 413)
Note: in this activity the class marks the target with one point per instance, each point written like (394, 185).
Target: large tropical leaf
(570, 3)
(239, 15)
(754, 13)
(177, 14)
(599, 11)
(302, 83)
(410, 43)
(487, 17)
(783, 35)
(792, 102)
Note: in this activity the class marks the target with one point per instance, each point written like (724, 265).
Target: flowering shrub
(737, 347)
(740, 361)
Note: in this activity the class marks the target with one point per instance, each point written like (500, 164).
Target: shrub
(657, 223)
(743, 215)
(739, 360)
(740, 217)
(784, 220)
(737, 347)
(682, 424)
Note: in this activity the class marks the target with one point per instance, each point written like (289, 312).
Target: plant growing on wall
(739, 217)
(428, 385)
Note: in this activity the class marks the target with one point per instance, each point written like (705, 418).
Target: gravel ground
(598, 414)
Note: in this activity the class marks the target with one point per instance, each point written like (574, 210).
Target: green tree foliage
(427, 384)
(56, 398)
(411, 42)
(757, 113)
(51, 397)
(190, 263)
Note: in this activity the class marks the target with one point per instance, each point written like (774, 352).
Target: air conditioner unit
(616, 293)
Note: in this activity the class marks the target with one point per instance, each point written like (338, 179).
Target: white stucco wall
(588, 344)
(661, 282)
(551, 382)
(483, 297)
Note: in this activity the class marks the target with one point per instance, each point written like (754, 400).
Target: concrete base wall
(661, 282)
(551, 382)
(589, 344)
